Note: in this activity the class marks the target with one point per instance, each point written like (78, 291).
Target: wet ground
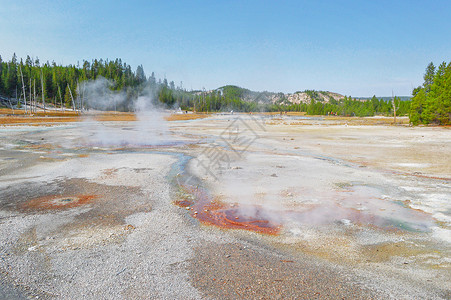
(225, 207)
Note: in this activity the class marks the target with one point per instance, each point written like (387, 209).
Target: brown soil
(233, 271)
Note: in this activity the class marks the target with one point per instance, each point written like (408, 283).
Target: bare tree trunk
(78, 98)
(83, 97)
(43, 96)
(34, 92)
(394, 107)
(73, 103)
(31, 100)
(23, 87)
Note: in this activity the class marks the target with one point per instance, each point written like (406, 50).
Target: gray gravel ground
(130, 242)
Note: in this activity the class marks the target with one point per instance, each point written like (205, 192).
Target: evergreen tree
(11, 77)
(152, 80)
(140, 75)
(431, 102)
(429, 77)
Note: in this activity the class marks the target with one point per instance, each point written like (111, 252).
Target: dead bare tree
(394, 107)
(31, 99)
(34, 92)
(42, 84)
(23, 87)
(73, 103)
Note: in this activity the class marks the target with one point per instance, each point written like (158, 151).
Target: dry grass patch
(16, 117)
(368, 120)
(183, 117)
(35, 120)
(115, 116)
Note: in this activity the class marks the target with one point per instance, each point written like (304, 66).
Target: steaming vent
(147, 128)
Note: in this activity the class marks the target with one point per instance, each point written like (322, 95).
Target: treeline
(223, 99)
(431, 102)
(231, 98)
(350, 107)
(64, 84)
(55, 83)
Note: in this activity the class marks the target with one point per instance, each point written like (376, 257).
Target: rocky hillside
(307, 96)
(274, 98)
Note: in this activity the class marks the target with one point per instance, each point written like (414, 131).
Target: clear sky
(357, 48)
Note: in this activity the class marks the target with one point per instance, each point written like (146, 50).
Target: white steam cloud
(98, 95)
(149, 129)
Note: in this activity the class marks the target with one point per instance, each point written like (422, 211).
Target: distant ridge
(266, 97)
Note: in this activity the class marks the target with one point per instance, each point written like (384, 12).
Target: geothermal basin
(228, 206)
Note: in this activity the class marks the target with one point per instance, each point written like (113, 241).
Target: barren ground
(229, 206)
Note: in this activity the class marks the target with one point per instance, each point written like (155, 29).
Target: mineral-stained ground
(229, 206)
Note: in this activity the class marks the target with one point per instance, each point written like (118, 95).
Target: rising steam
(97, 94)
(150, 127)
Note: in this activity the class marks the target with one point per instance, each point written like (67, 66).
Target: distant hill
(232, 91)
(231, 97)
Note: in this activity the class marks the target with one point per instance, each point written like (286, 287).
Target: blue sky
(357, 48)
